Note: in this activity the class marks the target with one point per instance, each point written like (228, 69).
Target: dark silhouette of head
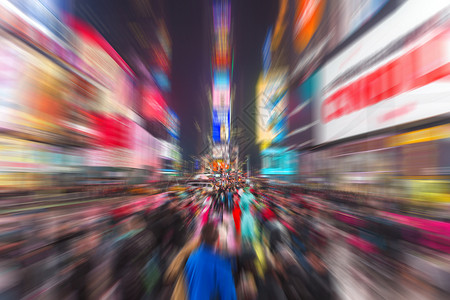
(209, 234)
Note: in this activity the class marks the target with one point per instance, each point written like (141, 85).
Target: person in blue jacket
(208, 275)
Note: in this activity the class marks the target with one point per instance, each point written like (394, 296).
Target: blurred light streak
(299, 130)
(299, 108)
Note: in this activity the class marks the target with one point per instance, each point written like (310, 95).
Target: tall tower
(221, 72)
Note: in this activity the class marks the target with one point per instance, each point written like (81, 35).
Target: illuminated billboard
(278, 161)
(320, 26)
(308, 16)
(388, 77)
(161, 79)
(221, 126)
(173, 124)
(221, 98)
(221, 79)
(267, 56)
(154, 106)
(222, 20)
(271, 107)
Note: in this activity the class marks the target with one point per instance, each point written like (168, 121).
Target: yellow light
(420, 136)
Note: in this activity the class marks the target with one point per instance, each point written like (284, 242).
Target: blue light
(267, 58)
(161, 80)
(229, 123)
(279, 161)
(172, 123)
(221, 79)
(216, 127)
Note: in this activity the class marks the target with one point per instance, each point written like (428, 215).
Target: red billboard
(154, 106)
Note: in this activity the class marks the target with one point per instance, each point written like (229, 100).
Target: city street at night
(224, 149)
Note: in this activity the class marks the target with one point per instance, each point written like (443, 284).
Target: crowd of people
(233, 242)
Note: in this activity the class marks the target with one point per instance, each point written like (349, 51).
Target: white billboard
(398, 72)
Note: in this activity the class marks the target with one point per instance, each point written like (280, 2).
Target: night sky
(252, 19)
(189, 31)
(189, 24)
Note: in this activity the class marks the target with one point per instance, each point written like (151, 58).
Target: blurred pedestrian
(247, 219)
(230, 199)
(175, 271)
(83, 264)
(319, 279)
(133, 254)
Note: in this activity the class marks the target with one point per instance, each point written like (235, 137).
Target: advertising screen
(173, 124)
(11, 69)
(221, 98)
(392, 75)
(216, 127)
(271, 108)
(154, 106)
(278, 161)
(221, 126)
(321, 25)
